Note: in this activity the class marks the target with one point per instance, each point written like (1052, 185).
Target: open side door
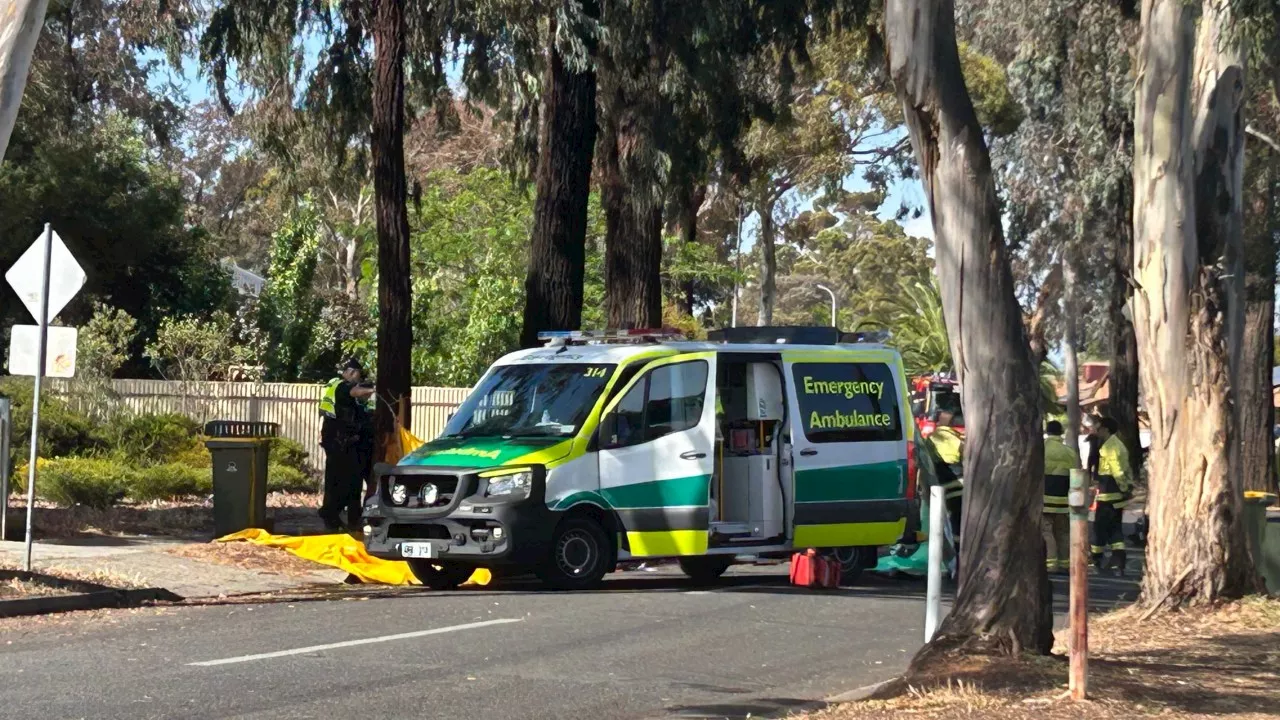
(657, 454)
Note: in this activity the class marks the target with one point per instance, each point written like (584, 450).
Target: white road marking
(352, 643)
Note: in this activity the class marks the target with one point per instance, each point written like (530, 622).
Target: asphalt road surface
(646, 646)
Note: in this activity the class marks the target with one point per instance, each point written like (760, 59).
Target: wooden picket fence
(293, 406)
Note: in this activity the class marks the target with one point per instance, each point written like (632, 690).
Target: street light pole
(833, 302)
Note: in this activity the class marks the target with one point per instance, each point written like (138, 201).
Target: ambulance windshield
(551, 400)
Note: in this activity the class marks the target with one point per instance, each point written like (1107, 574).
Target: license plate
(416, 550)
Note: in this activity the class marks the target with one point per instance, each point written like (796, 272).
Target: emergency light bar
(584, 336)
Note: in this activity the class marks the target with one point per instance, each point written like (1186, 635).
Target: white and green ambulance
(603, 447)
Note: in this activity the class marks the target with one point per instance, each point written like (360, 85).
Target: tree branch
(1270, 141)
(1039, 317)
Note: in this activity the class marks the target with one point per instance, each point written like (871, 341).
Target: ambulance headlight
(399, 494)
(515, 485)
(429, 494)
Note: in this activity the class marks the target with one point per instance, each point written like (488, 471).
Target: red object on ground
(809, 569)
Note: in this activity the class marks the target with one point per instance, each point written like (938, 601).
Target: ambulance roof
(614, 353)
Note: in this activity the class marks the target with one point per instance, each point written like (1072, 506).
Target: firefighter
(1115, 488)
(1059, 461)
(946, 445)
(340, 437)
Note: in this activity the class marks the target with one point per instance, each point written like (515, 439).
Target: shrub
(282, 478)
(289, 453)
(92, 482)
(195, 456)
(63, 430)
(151, 439)
(170, 481)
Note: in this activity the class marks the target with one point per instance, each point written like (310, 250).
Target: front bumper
(466, 527)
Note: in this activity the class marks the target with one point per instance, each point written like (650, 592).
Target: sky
(908, 192)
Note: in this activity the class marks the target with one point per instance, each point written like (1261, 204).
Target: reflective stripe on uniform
(327, 405)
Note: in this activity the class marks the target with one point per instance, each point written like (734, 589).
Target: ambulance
(602, 447)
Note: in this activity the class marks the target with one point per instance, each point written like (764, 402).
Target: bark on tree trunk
(1123, 376)
(1003, 603)
(557, 253)
(395, 332)
(768, 264)
(687, 227)
(1070, 362)
(633, 218)
(1187, 162)
(1257, 412)
(18, 36)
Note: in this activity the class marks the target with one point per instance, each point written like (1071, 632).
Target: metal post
(833, 303)
(1078, 649)
(6, 427)
(933, 595)
(35, 395)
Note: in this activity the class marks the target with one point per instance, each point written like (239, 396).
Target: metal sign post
(45, 278)
(1078, 611)
(937, 539)
(35, 396)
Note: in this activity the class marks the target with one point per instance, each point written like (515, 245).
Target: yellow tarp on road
(344, 552)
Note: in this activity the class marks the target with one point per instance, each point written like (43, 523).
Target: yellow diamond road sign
(65, 277)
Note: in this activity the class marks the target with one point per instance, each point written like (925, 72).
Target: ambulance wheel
(440, 576)
(853, 560)
(706, 569)
(580, 555)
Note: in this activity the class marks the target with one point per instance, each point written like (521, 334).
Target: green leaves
(289, 308)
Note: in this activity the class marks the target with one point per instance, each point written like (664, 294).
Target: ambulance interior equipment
(747, 484)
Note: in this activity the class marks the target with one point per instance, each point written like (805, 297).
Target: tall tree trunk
(557, 253)
(687, 228)
(1123, 375)
(1003, 603)
(1187, 161)
(1257, 412)
(395, 331)
(1070, 341)
(633, 215)
(19, 32)
(768, 264)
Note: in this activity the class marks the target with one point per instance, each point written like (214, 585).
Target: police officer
(947, 447)
(340, 437)
(1059, 461)
(1115, 488)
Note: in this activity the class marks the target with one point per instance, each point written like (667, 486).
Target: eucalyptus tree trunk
(1257, 412)
(1187, 180)
(1070, 342)
(1123, 375)
(768, 264)
(19, 31)
(566, 146)
(632, 210)
(1003, 603)
(395, 331)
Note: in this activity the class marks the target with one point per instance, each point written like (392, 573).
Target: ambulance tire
(439, 576)
(580, 555)
(705, 570)
(853, 560)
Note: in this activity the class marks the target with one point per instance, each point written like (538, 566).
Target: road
(646, 646)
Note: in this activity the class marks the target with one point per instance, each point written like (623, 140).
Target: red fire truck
(931, 395)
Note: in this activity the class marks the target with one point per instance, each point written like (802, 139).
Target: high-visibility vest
(1115, 479)
(328, 407)
(948, 446)
(1059, 461)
